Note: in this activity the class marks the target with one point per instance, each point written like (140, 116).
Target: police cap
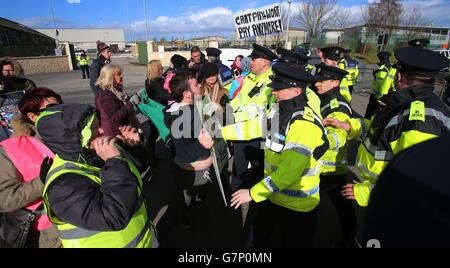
(332, 53)
(420, 62)
(289, 76)
(292, 57)
(213, 52)
(325, 72)
(383, 55)
(419, 42)
(262, 52)
(347, 50)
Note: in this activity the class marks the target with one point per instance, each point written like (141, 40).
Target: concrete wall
(51, 64)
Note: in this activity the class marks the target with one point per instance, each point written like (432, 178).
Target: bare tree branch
(414, 18)
(314, 15)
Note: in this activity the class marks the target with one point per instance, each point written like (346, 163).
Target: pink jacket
(27, 154)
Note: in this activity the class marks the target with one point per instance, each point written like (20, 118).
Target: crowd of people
(85, 189)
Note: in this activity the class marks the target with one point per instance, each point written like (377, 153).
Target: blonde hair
(106, 79)
(154, 69)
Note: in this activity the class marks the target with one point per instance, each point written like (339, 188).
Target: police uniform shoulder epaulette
(417, 111)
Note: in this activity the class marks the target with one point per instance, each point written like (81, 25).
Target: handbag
(15, 227)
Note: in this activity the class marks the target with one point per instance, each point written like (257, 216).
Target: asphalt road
(213, 224)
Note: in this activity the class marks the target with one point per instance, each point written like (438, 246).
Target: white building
(87, 38)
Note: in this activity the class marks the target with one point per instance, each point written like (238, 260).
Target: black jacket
(155, 91)
(187, 147)
(74, 198)
(94, 70)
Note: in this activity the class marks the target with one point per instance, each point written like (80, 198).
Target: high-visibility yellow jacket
(250, 107)
(383, 81)
(84, 61)
(351, 66)
(293, 149)
(334, 162)
(136, 235)
(412, 116)
(345, 91)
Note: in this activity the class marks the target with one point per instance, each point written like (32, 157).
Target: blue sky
(172, 18)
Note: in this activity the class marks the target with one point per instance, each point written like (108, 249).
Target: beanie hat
(207, 70)
(246, 64)
(101, 47)
(178, 61)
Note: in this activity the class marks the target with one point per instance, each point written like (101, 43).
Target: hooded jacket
(74, 198)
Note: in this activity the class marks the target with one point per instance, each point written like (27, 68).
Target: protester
(236, 85)
(154, 84)
(21, 156)
(13, 76)
(191, 144)
(210, 85)
(197, 60)
(178, 66)
(113, 102)
(103, 58)
(93, 190)
(236, 66)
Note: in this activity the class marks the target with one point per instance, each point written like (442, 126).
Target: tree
(314, 15)
(379, 16)
(342, 19)
(277, 38)
(414, 18)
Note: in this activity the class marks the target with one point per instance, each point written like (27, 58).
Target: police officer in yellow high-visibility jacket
(332, 55)
(350, 65)
(334, 163)
(301, 60)
(383, 83)
(296, 142)
(249, 108)
(83, 59)
(412, 115)
(93, 192)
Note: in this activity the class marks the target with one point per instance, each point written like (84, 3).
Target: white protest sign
(259, 22)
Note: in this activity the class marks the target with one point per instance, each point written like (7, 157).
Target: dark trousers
(333, 185)
(245, 153)
(85, 71)
(351, 88)
(296, 228)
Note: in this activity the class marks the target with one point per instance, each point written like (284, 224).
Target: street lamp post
(146, 25)
(54, 20)
(288, 22)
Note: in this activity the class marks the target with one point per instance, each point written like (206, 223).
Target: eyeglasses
(9, 71)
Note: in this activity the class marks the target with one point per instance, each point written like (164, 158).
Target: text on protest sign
(259, 22)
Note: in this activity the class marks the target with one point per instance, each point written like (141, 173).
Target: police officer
(350, 65)
(419, 217)
(412, 115)
(383, 83)
(83, 59)
(296, 142)
(331, 56)
(298, 59)
(225, 73)
(249, 109)
(334, 163)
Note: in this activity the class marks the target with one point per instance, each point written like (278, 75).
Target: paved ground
(214, 225)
